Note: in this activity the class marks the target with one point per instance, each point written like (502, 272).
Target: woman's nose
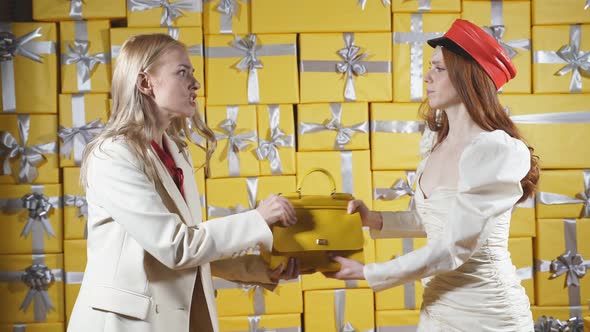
(428, 77)
(196, 84)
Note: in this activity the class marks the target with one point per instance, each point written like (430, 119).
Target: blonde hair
(133, 114)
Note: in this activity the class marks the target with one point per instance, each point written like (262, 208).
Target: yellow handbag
(322, 225)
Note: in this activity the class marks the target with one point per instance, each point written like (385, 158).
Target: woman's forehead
(437, 55)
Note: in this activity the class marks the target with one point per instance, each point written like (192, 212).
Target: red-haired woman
(477, 170)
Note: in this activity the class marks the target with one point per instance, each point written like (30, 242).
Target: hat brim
(450, 45)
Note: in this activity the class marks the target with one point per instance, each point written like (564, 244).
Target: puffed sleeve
(490, 171)
(118, 185)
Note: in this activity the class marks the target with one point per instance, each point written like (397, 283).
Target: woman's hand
(369, 218)
(277, 209)
(349, 269)
(285, 273)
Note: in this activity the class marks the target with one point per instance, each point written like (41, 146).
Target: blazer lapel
(171, 187)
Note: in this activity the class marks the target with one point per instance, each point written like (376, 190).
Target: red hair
(478, 93)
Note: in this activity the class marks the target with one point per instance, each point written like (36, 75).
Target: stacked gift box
(288, 87)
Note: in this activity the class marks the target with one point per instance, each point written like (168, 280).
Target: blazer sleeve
(399, 224)
(249, 269)
(118, 184)
(490, 171)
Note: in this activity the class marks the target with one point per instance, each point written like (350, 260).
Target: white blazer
(149, 253)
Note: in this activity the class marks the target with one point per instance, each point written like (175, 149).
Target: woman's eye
(439, 69)
(182, 73)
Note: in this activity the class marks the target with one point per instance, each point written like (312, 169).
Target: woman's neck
(462, 129)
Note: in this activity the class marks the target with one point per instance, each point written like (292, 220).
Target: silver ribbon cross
(351, 66)
(170, 10)
(236, 142)
(400, 188)
(250, 63)
(78, 54)
(270, 149)
(363, 3)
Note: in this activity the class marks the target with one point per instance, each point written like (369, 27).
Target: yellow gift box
(521, 253)
(393, 190)
(237, 140)
(226, 17)
(170, 13)
(32, 67)
(235, 299)
(25, 230)
(85, 112)
(551, 122)
(555, 56)
(412, 54)
(197, 145)
(412, 6)
(396, 130)
(561, 245)
(75, 206)
(252, 69)
(408, 296)
(337, 67)
(522, 221)
(39, 139)
(260, 323)
(272, 16)
(44, 305)
(36, 327)
(351, 171)
(200, 177)
(510, 22)
(233, 195)
(319, 281)
(323, 307)
(404, 320)
(58, 10)
(191, 37)
(83, 43)
(587, 324)
(334, 126)
(563, 314)
(560, 194)
(559, 12)
(276, 146)
(74, 265)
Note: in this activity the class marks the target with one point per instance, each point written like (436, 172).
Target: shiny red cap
(480, 46)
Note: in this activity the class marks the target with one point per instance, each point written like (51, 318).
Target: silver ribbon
(400, 188)
(254, 326)
(343, 134)
(250, 63)
(416, 38)
(550, 324)
(575, 60)
(352, 65)
(270, 149)
(76, 9)
(363, 3)
(587, 5)
(82, 205)
(252, 188)
(38, 277)
(409, 287)
(236, 142)
(497, 29)
(423, 5)
(227, 10)
(397, 127)
(74, 278)
(19, 328)
(78, 54)
(582, 197)
(347, 172)
(11, 46)
(569, 262)
(38, 206)
(170, 10)
(525, 273)
(195, 137)
(30, 156)
(339, 313)
(552, 118)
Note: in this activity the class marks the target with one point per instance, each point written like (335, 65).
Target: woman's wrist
(376, 220)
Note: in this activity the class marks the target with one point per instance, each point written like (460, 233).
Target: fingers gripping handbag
(323, 225)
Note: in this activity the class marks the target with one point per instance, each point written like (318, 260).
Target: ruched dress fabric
(470, 283)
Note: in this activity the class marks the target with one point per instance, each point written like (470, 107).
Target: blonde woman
(150, 258)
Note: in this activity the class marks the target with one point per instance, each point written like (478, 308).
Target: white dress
(470, 282)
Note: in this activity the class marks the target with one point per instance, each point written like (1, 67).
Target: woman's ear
(143, 84)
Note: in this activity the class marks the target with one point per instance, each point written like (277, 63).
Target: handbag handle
(314, 170)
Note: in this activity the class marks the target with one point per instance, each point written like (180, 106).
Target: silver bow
(79, 202)
(38, 278)
(585, 196)
(236, 143)
(228, 7)
(39, 207)
(587, 5)
(578, 62)
(79, 135)
(572, 264)
(270, 149)
(11, 46)
(170, 11)
(400, 188)
(250, 63)
(343, 134)
(78, 53)
(351, 66)
(575, 324)
(76, 9)
(31, 156)
(363, 3)
(497, 31)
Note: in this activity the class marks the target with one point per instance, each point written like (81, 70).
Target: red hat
(467, 39)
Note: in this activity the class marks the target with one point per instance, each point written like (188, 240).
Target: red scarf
(166, 158)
